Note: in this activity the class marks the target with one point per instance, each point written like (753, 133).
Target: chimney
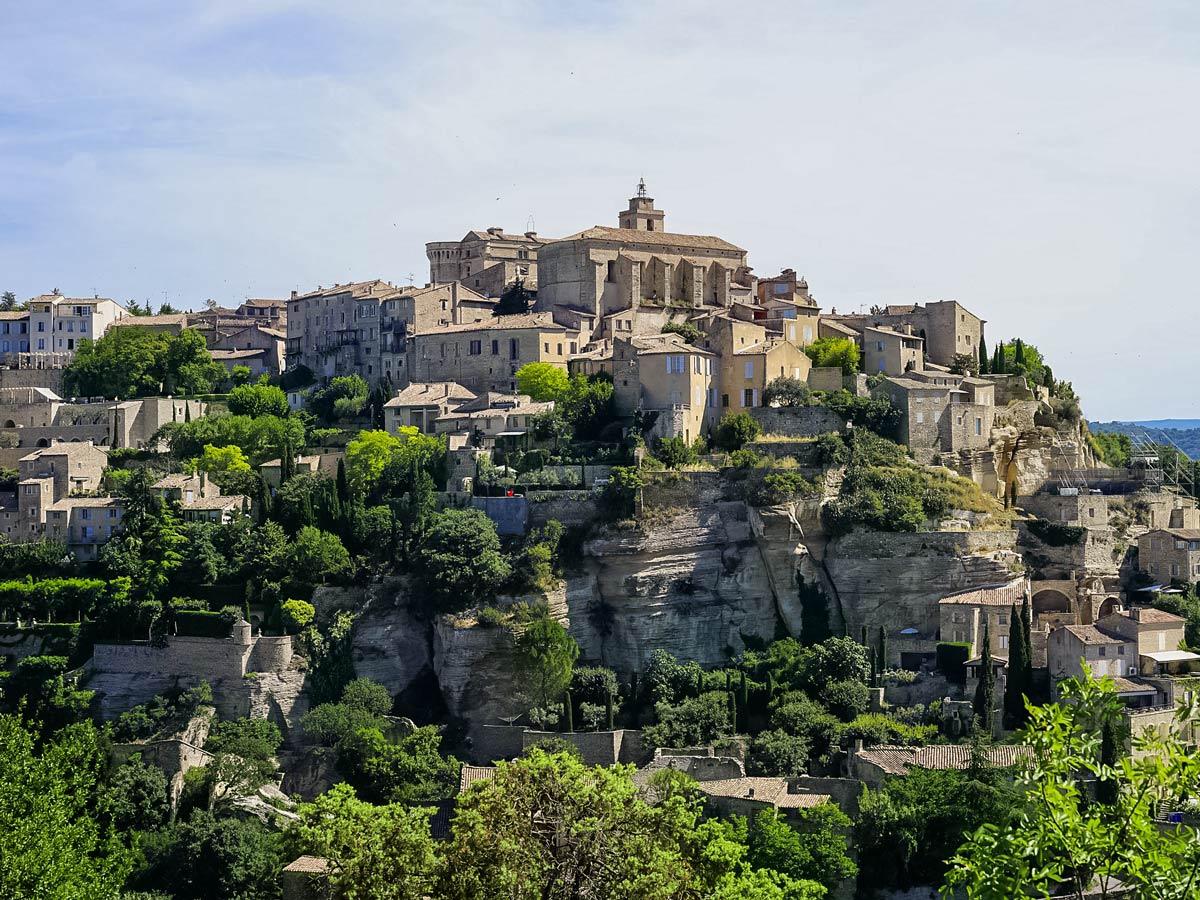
(858, 745)
(750, 793)
(203, 483)
(294, 295)
(1136, 612)
(532, 235)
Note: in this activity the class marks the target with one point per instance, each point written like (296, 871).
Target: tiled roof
(374, 289)
(659, 238)
(1184, 534)
(237, 354)
(14, 316)
(541, 321)
(896, 760)
(269, 304)
(65, 448)
(229, 501)
(308, 864)
(1158, 616)
(765, 790)
(473, 774)
(176, 481)
(1125, 686)
(81, 502)
(1090, 634)
(990, 595)
(180, 319)
(425, 393)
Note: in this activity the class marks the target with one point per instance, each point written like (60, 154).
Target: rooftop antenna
(530, 226)
(642, 187)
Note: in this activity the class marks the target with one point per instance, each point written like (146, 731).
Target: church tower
(641, 215)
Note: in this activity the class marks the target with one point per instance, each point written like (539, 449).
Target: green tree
(317, 556)
(784, 391)
(137, 797)
(674, 452)
(1063, 843)
(687, 331)
(811, 849)
(985, 692)
(839, 353)
(984, 361)
(297, 615)
(344, 398)
(545, 657)
(736, 430)
(693, 722)
(255, 400)
(51, 844)
(374, 852)
(514, 301)
(461, 562)
(240, 375)
(8, 301)
(221, 460)
(543, 381)
(409, 770)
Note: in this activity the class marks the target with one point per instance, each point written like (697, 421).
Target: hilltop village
(612, 495)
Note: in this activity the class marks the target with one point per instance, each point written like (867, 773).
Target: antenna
(529, 225)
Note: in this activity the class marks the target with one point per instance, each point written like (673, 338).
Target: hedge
(1055, 534)
(200, 623)
(52, 596)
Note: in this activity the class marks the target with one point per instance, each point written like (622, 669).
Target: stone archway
(1107, 607)
(1050, 600)
(43, 442)
(10, 424)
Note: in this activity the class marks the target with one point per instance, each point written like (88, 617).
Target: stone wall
(567, 507)
(825, 378)
(927, 689)
(207, 658)
(598, 748)
(491, 743)
(510, 514)
(22, 378)
(797, 421)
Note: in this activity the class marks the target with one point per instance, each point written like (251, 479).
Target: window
(1004, 642)
(85, 514)
(546, 346)
(514, 348)
(675, 365)
(1121, 650)
(476, 348)
(574, 347)
(748, 397)
(495, 348)
(560, 349)
(920, 418)
(707, 366)
(1103, 651)
(1003, 619)
(725, 400)
(749, 370)
(70, 343)
(611, 274)
(41, 326)
(41, 343)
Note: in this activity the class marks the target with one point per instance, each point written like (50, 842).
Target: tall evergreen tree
(1019, 353)
(743, 704)
(343, 488)
(998, 359)
(984, 361)
(1112, 746)
(514, 301)
(1015, 688)
(609, 718)
(986, 690)
(883, 650)
(1027, 636)
(568, 713)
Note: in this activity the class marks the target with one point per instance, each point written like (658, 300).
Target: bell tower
(641, 215)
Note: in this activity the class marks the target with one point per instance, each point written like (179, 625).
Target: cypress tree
(1111, 745)
(1014, 689)
(883, 648)
(1019, 353)
(985, 692)
(699, 682)
(728, 681)
(864, 637)
(608, 712)
(743, 704)
(187, 411)
(871, 652)
(1027, 636)
(770, 686)
(984, 368)
(568, 713)
(343, 488)
(731, 705)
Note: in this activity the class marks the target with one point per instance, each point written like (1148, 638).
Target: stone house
(750, 359)
(888, 351)
(417, 310)
(963, 615)
(57, 323)
(84, 524)
(747, 796)
(493, 415)
(269, 311)
(1153, 630)
(135, 423)
(259, 346)
(14, 336)
(664, 374)
(1071, 648)
(1170, 554)
(487, 261)
(271, 471)
(1166, 509)
(942, 417)
(638, 264)
(947, 327)
(337, 330)
(873, 765)
(485, 356)
(419, 405)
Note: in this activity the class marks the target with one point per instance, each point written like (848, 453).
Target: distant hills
(1184, 433)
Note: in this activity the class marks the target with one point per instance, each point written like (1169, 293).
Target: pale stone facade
(965, 613)
(665, 375)
(419, 405)
(603, 270)
(1170, 554)
(485, 356)
(487, 260)
(57, 324)
(947, 327)
(941, 413)
(889, 352)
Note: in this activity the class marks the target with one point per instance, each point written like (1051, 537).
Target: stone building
(14, 336)
(946, 326)
(887, 351)
(873, 765)
(666, 376)
(486, 261)
(942, 414)
(1170, 554)
(418, 310)
(637, 265)
(258, 346)
(337, 330)
(269, 311)
(1073, 647)
(419, 405)
(57, 323)
(751, 357)
(485, 356)
(963, 615)
(493, 415)
(1153, 630)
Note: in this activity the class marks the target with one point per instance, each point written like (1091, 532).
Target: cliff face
(694, 583)
(474, 667)
(896, 580)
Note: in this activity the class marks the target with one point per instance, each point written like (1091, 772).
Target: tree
(543, 381)
(240, 375)
(686, 330)
(984, 362)
(775, 752)
(408, 770)
(588, 405)
(515, 300)
(211, 858)
(736, 430)
(344, 398)
(675, 452)
(814, 849)
(841, 353)
(373, 852)
(317, 556)
(985, 692)
(137, 797)
(221, 460)
(545, 657)
(297, 615)
(51, 843)
(784, 391)
(8, 301)
(461, 562)
(964, 364)
(255, 400)
(1020, 668)
(1062, 842)
(693, 722)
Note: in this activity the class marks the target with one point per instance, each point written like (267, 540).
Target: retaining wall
(797, 421)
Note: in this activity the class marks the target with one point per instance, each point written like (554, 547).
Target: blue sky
(1037, 162)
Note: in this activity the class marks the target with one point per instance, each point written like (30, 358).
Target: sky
(1037, 162)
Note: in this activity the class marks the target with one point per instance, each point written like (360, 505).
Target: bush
(876, 414)
(834, 352)
(876, 728)
(694, 722)
(1055, 534)
(736, 430)
(832, 450)
(490, 617)
(297, 615)
(845, 699)
(686, 330)
(785, 391)
(746, 458)
(778, 753)
(675, 453)
(780, 487)
(593, 684)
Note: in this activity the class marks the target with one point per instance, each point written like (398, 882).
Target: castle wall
(797, 421)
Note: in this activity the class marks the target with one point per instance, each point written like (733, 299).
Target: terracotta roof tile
(990, 595)
(659, 238)
(309, 864)
(896, 760)
(473, 775)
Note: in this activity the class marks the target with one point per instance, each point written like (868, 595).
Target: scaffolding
(1162, 462)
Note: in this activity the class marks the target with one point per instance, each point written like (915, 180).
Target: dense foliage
(132, 362)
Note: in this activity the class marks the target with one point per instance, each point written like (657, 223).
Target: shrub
(1055, 534)
(694, 722)
(593, 684)
(876, 728)
(675, 453)
(785, 391)
(876, 414)
(297, 615)
(846, 699)
(832, 449)
(778, 753)
(686, 330)
(780, 487)
(490, 617)
(830, 352)
(746, 458)
(736, 430)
